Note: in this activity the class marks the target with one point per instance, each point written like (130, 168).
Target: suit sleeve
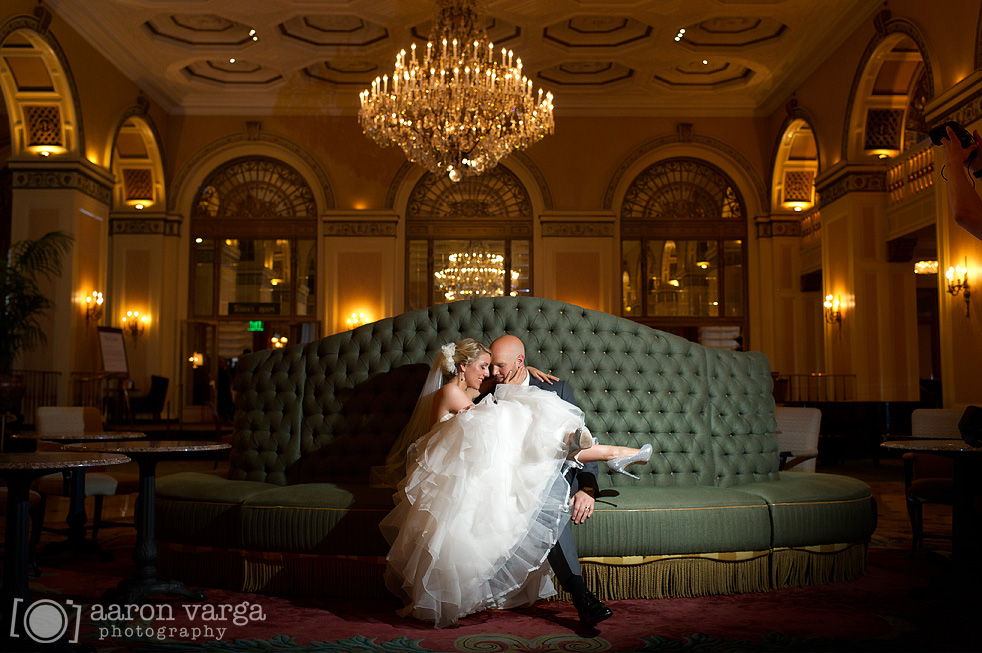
(586, 478)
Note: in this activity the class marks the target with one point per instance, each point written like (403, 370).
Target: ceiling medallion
(455, 108)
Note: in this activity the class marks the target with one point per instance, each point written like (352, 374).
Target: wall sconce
(196, 360)
(833, 315)
(957, 280)
(135, 324)
(356, 319)
(278, 341)
(93, 305)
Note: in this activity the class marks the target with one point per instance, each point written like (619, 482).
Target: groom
(508, 365)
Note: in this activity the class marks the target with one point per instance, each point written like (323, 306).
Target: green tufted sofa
(711, 513)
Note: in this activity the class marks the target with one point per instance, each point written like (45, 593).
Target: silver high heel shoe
(579, 440)
(618, 464)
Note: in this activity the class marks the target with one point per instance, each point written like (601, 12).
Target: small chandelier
(473, 274)
(455, 108)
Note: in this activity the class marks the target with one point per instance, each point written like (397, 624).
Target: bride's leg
(616, 457)
(604, 452)
(585, 449)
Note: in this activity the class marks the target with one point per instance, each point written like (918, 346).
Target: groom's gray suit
(563, 558)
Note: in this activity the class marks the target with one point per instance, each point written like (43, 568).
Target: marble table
(144, 583)
(965, 541)
(18, 471)
(76, 518)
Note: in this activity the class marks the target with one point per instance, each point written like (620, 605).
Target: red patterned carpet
(879, 612)
(886, 610)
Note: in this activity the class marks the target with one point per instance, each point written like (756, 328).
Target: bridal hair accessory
(448, 365)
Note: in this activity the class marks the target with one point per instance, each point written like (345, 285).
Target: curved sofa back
(329, 410)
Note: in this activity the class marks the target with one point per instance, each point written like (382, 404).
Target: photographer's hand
(966, 206)
(955, 156)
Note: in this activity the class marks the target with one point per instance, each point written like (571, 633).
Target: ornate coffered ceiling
(600, 57)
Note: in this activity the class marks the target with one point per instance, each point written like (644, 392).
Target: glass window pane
(255, 277)
(631, 277)
(733, 290)
(466, 269)
(683, 278)
(306, 277)
(521, 285)
(200, 339)
(203, 254)
(417, 280)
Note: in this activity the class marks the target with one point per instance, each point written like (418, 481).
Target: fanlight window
(253, 223)
(683, 251)
(254, 187)
(468, 239)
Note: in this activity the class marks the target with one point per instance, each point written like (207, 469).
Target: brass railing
(911, 174)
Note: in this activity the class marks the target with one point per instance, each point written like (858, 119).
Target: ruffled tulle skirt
(482, 504)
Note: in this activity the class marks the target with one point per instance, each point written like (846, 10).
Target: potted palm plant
(28, 263)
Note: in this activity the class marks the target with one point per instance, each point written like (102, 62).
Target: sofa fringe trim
(818, 565)
(610, 578)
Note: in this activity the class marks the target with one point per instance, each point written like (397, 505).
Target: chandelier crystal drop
(457, 107)
(472, 274)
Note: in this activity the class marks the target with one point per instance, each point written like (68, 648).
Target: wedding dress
(482, 503)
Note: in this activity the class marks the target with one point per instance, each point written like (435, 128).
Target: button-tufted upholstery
(311, 420)
(329, 410)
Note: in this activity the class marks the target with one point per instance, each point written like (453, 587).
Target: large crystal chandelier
(471, 274)
(456, 108)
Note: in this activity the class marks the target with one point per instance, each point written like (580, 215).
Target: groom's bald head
(507, 355)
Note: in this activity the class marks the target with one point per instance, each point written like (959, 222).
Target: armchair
(153, 402)
(797, 437)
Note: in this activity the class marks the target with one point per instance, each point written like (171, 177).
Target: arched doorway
(684, 253)
(253, 270)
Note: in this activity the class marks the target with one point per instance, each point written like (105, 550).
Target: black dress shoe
(591, 610)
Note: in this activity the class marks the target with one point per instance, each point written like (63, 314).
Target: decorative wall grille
(43, 124)
(138, 184)
(883, 129)
(798, 185)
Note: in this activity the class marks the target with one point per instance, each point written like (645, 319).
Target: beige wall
(586, 159)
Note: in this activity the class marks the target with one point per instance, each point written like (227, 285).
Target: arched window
(468, 239)
(253, 223)
(683, 251)
(137, 167)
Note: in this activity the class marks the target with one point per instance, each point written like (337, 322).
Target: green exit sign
(255, 325)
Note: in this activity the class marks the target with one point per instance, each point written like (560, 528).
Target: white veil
(394, 469)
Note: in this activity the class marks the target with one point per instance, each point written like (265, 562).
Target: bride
(482, 500)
